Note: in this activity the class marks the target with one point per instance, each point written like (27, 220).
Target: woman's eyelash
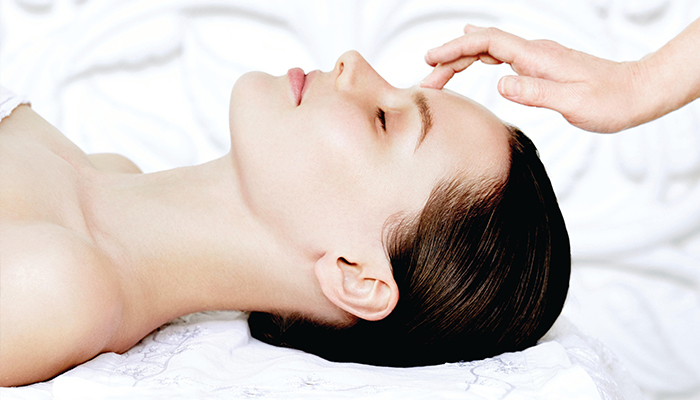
(382, 118)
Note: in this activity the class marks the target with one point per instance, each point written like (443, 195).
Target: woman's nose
(353, 71)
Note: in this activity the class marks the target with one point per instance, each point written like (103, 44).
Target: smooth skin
(592, 93)
(94, 255)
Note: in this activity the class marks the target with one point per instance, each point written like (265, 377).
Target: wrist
(666, 80)
(648, 100)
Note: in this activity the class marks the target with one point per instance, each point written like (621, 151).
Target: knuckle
(575, 103)
(492, 35)
(492, 32)
(548, 46)
(536, 93)
(546, 43)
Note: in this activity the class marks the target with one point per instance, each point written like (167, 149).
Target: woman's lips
(297, 78)
(307, 82)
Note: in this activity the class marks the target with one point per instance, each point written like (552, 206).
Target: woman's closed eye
(382, 118)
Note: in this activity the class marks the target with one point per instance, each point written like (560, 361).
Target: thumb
(532, 91)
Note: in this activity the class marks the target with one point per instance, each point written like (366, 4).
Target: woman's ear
(363, 288)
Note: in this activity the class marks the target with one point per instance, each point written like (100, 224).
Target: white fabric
(9, 101)
(151, 80)
(212, 355)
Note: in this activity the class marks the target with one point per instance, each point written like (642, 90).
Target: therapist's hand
(592, 93)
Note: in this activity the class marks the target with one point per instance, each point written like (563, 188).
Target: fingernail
(432, 50)
(510, 87)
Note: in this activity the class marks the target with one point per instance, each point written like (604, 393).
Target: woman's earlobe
(364, 289)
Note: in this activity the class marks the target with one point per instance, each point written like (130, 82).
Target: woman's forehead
(472, 135)
(463, 101)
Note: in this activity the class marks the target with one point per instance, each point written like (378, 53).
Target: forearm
(669, 78)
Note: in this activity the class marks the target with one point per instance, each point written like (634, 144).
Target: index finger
(498, 44)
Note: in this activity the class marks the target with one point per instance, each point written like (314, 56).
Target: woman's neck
(183, 241)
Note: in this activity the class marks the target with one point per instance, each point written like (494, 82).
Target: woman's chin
(252, 92)
(250, 82)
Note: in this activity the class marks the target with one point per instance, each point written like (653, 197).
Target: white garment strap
(9, 101)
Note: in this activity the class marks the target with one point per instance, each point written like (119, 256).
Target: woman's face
(331, 169)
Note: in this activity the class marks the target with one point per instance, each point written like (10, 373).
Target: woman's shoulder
(25, 129)
(60, 300)
(25, 125)
(51, 259)
(110, 162)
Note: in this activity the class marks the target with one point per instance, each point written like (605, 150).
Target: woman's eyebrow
(426, 116)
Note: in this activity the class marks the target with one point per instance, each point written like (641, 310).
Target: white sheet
(211, 355)
(151, 80)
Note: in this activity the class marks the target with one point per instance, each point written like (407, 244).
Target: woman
(346, 209)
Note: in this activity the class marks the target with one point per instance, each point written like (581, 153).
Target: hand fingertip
(434, 81)
(430, 86)
(426, 82)
(429, 81)
(469, 27)
(432, 51)
(509, 86)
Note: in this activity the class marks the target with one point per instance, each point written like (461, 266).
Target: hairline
(402, 223)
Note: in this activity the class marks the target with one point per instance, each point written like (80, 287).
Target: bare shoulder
(24, 126)
(110, 162)
(60, 302)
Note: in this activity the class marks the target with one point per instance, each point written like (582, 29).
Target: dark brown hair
(482, 269)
